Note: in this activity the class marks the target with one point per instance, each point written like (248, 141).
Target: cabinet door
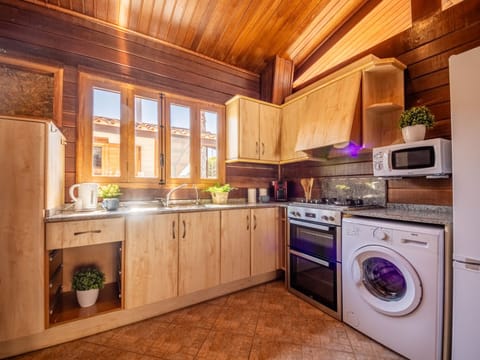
(235, 245)
(269, 123)
(264, 240)
(151, 259)
(292, 113)
(199, 251)
(249, 143)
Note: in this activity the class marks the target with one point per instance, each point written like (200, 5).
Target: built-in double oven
(314, 257)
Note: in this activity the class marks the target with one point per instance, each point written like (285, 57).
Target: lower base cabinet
(248, 243)
(199, 251)
(235, 245)
(151, 259)
(264, 240)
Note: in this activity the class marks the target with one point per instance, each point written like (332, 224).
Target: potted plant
(110, 194)
(87, 282)
(414, 123)
(220, 193)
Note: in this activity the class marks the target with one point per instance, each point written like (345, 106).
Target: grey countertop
(427, 214)
(132, 208)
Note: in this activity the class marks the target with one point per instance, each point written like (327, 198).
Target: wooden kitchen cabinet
(74, 244)
(151, 259)
(235, 245)
(264, 227)
(248, 243)
(292, 113)
(85, 232)
(383, 102)
(199, 251)
(32, 163)
(253, 130)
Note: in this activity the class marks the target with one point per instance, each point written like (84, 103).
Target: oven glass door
(314, 239)
(315, 278)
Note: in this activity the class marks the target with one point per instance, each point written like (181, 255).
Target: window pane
(180, 141)
(208, 144)
(146, 137)
(106, 133)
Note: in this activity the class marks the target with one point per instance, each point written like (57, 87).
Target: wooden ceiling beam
(363, 10)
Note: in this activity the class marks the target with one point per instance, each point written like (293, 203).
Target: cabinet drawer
(86, 232)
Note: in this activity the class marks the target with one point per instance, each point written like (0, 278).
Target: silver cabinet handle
(173, 229)
(256, 147)
(263, 148)
(184, 229)
(87, 232)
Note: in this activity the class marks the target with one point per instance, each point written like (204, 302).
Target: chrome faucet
(172, 191)
(197, 200)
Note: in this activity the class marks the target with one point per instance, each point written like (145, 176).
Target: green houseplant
(87, 282)
(220, 193)
(414, 123)
(110, 194)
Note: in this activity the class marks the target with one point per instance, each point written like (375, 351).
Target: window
(194, 131)
(132, 135)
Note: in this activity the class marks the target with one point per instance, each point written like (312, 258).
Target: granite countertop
(427, 214)
(130, 208)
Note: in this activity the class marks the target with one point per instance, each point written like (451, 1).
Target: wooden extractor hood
(332, 115)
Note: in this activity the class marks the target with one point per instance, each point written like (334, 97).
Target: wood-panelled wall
(45, 36)
(425, 49)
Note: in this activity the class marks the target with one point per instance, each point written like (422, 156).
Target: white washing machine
(393, 284)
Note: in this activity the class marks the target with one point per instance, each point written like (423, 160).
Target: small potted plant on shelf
(414, 123)
(220, 193)
(87, 282)
(110, 194)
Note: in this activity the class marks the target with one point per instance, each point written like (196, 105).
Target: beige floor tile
(203, 315)
(237, 320)
(316, 353)
(366, 348)
(264, 322)
(225, 346)
(263, 349)
(178, 342)
(276, 327)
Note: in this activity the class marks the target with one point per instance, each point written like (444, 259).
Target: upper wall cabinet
(253, 131)
(359, 103)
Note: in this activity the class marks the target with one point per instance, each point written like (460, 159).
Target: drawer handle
(184, 229)
(87, 232)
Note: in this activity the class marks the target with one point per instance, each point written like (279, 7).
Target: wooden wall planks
(44, 36)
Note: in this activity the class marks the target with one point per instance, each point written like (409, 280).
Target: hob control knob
(325, 217)
(331, 218)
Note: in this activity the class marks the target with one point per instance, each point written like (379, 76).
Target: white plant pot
(87, 298)
(413, 133)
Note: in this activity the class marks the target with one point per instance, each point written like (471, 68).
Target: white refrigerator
(465, 119)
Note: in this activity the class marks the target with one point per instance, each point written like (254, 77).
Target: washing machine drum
(386, 280)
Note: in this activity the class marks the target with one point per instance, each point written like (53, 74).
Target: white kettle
(87, 196)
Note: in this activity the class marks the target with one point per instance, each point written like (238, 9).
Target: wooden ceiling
(316, 35)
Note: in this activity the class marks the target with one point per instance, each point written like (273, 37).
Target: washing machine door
(386, 280)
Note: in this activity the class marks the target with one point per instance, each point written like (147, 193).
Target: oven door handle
(310, 258)
(309, 225)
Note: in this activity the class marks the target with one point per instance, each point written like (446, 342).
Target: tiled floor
(264, 322)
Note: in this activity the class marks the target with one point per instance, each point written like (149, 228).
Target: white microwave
(419, 158)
